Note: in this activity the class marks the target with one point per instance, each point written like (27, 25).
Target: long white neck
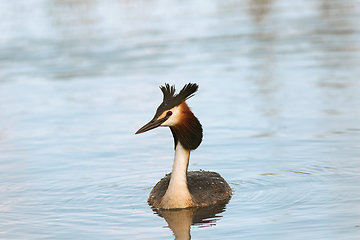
(177, 195)
(179, 170)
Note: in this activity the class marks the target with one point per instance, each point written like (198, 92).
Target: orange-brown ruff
(180, 188)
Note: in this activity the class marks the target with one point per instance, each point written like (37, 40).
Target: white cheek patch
(174, 118)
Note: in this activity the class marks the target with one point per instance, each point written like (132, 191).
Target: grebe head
(174, 113)
(169, 113)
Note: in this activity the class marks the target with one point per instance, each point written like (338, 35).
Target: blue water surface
(278, 100)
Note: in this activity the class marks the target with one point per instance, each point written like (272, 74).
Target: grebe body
(180, 188)
(206, 188)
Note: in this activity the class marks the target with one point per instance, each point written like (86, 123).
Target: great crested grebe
(180, 188)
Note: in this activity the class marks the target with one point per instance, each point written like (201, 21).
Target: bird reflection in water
(181, 220)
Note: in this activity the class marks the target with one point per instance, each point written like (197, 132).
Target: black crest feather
(168, 92)
(171, 99)
(176, 99)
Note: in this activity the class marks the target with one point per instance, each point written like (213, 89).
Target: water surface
(278, 100)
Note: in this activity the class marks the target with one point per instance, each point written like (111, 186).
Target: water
(278, 99)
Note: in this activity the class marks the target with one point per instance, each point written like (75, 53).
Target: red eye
(169, 113)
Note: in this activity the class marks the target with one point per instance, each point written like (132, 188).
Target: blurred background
(279, 101)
